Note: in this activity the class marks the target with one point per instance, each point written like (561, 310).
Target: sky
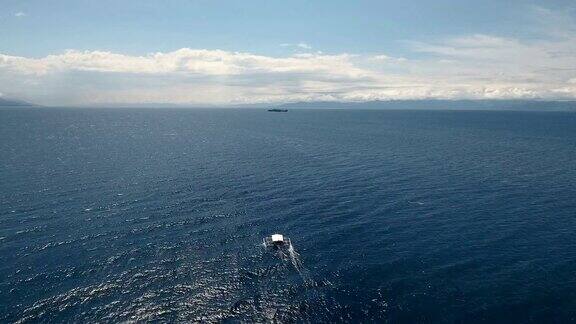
(198, 52)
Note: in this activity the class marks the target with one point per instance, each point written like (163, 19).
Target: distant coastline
(4, 102)
(420, 104)
(437, 104)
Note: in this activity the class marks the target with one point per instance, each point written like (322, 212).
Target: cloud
(20, 14)
(484, 58)
(475, 66)
(185, 75)
(300, 45)
(382, 58)
(185, 60)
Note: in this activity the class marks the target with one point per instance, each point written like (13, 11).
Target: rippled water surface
(398, 216)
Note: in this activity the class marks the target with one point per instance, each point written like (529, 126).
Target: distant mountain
(525, 105)
(4, 102)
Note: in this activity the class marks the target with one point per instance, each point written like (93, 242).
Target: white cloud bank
(183, 61)
(472, 66)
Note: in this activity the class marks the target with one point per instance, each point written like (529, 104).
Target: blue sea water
(115, 215)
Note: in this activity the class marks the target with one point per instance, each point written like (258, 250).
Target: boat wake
(285, 250)
(294, 258)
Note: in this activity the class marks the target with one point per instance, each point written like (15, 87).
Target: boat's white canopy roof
(277, 238)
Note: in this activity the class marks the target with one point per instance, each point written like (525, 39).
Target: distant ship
(278, 110)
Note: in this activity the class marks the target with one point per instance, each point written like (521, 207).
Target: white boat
(277, 241)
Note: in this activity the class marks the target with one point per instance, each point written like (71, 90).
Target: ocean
(398, 216)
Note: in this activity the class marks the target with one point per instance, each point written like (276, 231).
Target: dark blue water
(398, 216)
